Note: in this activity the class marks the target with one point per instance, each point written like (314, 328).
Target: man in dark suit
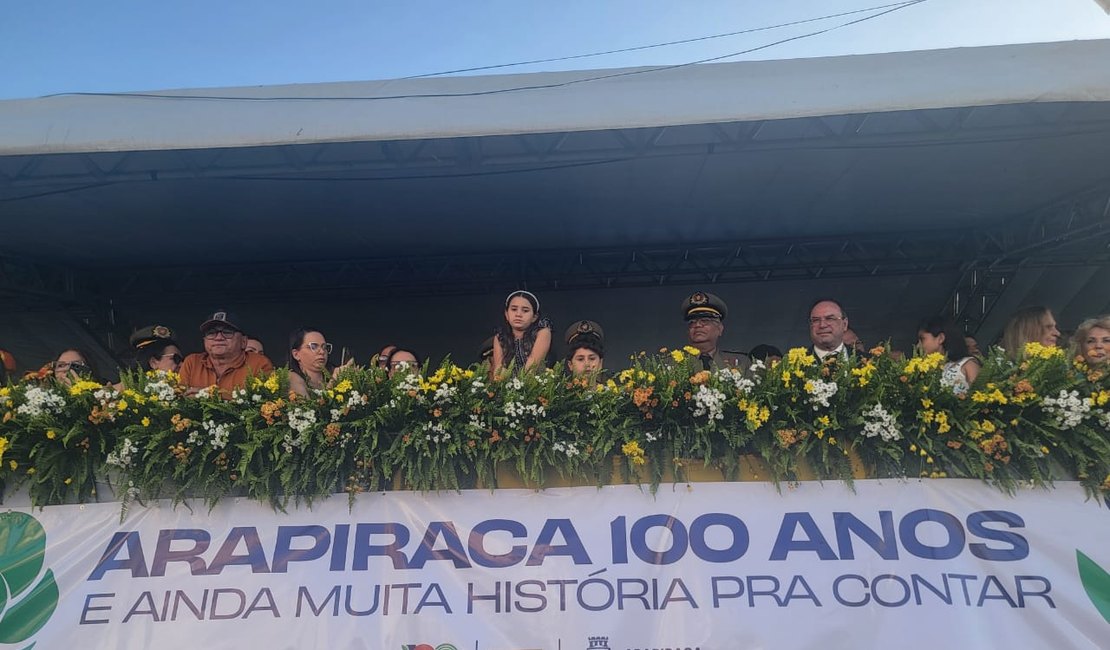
(828, 324)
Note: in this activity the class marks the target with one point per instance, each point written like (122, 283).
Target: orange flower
(700, 377)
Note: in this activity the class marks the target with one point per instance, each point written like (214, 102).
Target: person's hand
(349, 364)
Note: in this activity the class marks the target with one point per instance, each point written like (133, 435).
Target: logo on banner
(1096, 582)
(24, 608)
(598, 643)
(428, 646)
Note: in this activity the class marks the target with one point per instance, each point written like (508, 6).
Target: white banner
(707, 566)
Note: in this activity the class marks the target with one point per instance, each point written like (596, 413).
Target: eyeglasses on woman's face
(313, 346)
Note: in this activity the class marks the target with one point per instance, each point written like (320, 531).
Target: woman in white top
(941, 335)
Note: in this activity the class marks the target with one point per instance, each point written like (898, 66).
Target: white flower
(570, 450)
(444, 393)
(1067, 409)
(880, 423)
(742, 384)
(40, 401)
(516, 411)
(515, 384)
(408, 382)
(217, 433)
(436, 432)
(301, 419)
(204, 393)
(122, 457)
(820, 392)
(709, 402)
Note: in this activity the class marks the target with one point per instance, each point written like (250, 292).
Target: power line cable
(638, 48)
(497, 91)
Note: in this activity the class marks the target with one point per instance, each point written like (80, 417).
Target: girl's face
(1049, 333)
(929, 343)
(1096, 347)
(520, 314)
(313, 353)
(169, 360)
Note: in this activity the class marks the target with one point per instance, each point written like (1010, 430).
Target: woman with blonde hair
(1092, 340)
(1029, 325)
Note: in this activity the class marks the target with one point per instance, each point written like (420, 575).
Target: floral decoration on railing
(1042, 418)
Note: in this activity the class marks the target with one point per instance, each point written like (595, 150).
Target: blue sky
(55, 46)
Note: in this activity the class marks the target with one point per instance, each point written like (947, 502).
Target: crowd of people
(523, 343)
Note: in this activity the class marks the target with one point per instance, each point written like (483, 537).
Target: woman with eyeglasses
(308, 361)
(73, 364)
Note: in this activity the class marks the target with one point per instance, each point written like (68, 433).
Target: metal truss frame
(986, 258)
(1076, 233)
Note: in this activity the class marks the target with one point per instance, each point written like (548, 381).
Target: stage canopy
(973, 180)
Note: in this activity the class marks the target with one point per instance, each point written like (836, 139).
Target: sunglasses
(75, 366)
(177, 358)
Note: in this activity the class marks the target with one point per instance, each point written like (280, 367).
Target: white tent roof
(897, 182)
(556, 102)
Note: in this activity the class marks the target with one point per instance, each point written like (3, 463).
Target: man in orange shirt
(225, 361)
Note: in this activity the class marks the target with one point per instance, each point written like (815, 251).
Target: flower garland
(1044, 417)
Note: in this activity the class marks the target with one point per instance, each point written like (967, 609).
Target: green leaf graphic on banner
(1096, 581)
(23, 611)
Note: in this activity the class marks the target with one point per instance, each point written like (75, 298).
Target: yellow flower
(343, 386)
(832, 441)
(12, 464)
(146, 421)
(271, 384)
(50, 435)
(995, 396)
(913, 447)
(4, 447)
(122, 405)
(824, 419)
(800, 357)
(84, 386)
(634, 452)
(68, 481)
(927, 363)
(691, 350)
(864, 372)
(1044, 450)
(31, 470)
(1035, 350)
(678, 355)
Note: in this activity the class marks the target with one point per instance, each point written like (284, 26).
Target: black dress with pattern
(514, 351)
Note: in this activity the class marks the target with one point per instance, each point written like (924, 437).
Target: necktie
(706, 361)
